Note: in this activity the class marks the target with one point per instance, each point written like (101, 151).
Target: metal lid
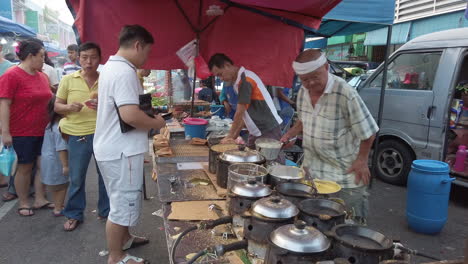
(236, 155)
(300, 238)
(251, 189)
(275, 207)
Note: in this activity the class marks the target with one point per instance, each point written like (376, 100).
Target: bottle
(459, 165)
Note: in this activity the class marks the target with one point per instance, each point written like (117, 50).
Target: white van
(422, 76)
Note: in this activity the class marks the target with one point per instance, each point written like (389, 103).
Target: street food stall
(231, 204)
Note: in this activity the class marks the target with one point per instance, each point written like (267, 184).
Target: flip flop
(128, 257)
(48, 205)
(3, 185)
(6, 197)
(73, 223)
(30, 211)
(57, 214)
(131, 243)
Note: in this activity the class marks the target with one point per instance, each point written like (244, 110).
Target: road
(41, 240)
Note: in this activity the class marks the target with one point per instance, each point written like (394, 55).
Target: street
(41, 239)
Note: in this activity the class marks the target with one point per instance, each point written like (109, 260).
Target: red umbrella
(254, 33)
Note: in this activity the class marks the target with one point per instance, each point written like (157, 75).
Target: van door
(408, 97)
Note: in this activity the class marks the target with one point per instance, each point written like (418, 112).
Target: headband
(310, 66)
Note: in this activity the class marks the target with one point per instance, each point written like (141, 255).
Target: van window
(410, 71)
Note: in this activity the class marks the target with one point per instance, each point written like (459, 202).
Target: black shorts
(27, 148)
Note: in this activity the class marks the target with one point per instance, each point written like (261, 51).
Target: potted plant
(463, 88)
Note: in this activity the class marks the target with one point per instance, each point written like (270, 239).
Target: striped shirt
(261, 115)
(333, 131)
(70, 67)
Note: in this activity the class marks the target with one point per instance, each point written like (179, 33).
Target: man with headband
(338, 131)
(255, 108)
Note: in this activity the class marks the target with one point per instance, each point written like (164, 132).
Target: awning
(438, 23)
(55, 50)
(244, 32)
(357, 16)
(9, 26)
(316, 44)
(378, 37)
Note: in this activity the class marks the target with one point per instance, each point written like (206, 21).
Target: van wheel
(394, 161)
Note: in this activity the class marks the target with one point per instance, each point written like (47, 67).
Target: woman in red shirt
(24, 96)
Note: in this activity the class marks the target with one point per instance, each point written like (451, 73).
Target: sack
(203, 71)
(8, 161)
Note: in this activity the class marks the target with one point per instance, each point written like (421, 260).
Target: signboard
(6, 9)
(32, 19)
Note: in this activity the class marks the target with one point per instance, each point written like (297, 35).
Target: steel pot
(245, 172)
(295, 192)
(214, 152)
(268, 147)
(282, 173)
(360, 244)
(322, 214)
(267, 214)
(230, 157)
(244, 194)
(297, 243)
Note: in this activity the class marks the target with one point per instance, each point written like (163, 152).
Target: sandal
(6, 197)
(47, 205)
(131, 243)
(72, 225)
(57, 214)
(30, 211)
(128, 257)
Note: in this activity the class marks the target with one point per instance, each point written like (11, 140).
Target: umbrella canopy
(254, 33)
(9, 26)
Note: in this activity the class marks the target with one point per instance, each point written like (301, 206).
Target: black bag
(145, 106)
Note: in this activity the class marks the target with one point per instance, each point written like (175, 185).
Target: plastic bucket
(428, 196)
(195, 127)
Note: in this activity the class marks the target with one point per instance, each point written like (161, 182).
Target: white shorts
(124, 181)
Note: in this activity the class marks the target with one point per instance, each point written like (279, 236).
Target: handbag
(145, 106)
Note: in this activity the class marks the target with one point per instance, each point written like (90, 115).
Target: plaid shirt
(333, 131)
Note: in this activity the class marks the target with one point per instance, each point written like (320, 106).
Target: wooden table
(167, 171)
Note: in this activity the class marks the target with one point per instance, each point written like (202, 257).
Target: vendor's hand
(7, 140)
(285, 138)
(75, 107)
(92, 104)
(228, 140)
(361, 171)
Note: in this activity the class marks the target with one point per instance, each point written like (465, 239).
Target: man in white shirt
(120, 155)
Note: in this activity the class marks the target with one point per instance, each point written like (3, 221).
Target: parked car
(365, 65)
(422, 76)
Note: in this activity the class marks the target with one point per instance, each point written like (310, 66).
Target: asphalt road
(40, 239)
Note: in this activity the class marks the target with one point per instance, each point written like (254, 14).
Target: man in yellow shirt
(78, 125)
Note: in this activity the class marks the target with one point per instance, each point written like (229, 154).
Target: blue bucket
(218, 110)
(195, 127)
(428, 188)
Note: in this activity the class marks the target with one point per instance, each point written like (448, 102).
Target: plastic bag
(202, 68)
(8, 161)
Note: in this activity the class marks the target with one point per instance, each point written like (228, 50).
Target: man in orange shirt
(255, 107)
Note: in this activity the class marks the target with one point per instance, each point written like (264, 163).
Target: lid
(251, 189)
(195, 121)
(286, 172)
(300, 238)
(235, 155)
(431, 165)
(275, 207)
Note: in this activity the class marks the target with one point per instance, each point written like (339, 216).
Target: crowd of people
(56, 127)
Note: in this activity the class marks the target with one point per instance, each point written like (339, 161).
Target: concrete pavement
(41, 240)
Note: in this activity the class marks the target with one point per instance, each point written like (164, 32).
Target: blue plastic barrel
(428, 196)
(218, 110)
(195, 127)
